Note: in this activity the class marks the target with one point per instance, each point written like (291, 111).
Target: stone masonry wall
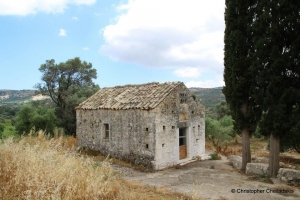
(131, 133)
(174, 115)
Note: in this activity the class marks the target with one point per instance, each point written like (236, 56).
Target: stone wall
(174, 115)
(131, 133)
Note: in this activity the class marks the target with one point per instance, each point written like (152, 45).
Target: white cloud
(85, 48)
(188, 72)
(204, 84)
(183, 34)
(62, 32)
(26, 7)
(212, 80)
(75, 18)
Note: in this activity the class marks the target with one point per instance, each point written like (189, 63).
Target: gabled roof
(144, 96)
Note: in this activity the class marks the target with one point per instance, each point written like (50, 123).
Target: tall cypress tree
(277, 44)
(239, 76)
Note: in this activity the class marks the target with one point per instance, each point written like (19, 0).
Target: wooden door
(182, 143)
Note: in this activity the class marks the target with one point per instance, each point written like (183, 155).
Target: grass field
(41, 168)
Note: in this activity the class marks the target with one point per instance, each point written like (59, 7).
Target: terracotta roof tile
(144, 96)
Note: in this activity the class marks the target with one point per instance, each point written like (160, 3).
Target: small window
(183, 97)
(164, 127)
(147, 146)
(193, 112)
(147, 129)
(106, 131)
(163, 145)
(173, 127)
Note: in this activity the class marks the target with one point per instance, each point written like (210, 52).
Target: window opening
(106, 131)
(183, 97)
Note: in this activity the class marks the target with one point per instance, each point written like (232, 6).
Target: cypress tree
(239, 75)
(277, 47)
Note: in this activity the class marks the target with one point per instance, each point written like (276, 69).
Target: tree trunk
(246, 153)
(274, 156)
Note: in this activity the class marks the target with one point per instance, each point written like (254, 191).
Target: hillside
(209, 96)
(14, 97)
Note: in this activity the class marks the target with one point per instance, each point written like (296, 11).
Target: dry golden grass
(41, 168)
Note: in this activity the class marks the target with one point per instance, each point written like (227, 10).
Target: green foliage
(239, 76)
(218, 133)
(8, 129)
(222, 109)
(8, 112)
(1, 128)
(38, 118)
(256, 133)
(277, 61)
(209, 96)
(215, 156)
(194, 97)
(226, 121)
(68, 84)
(292, 141)
(22, 120)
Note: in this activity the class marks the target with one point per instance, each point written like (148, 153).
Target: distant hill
(15, 97)
(209, 96)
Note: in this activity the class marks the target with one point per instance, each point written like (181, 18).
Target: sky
(127, 41)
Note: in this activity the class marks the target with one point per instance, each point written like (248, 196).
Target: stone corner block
(236, 161)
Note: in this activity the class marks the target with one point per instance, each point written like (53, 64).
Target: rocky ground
(212, 179)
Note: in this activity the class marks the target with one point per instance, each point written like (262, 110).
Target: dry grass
(258, 148)
(230, 148)
(41, 168)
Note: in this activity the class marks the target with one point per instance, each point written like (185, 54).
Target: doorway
(182, 143)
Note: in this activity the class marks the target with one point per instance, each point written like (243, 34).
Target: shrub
(215, 156)
(218, 133)
(40, 118)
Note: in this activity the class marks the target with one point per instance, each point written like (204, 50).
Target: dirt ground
(212, 179)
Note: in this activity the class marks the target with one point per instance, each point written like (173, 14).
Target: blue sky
(127, 41)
